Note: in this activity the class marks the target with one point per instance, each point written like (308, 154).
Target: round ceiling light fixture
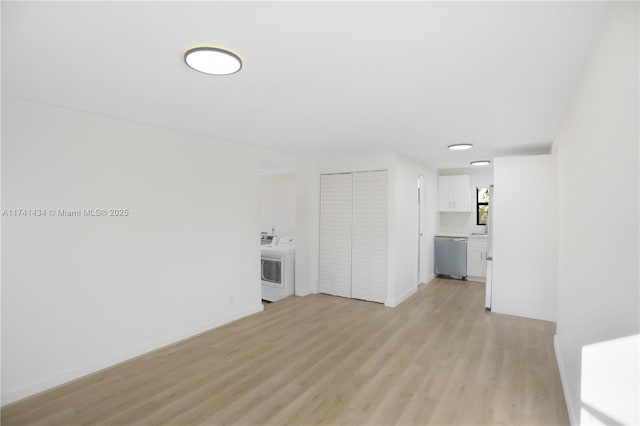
(213, 60)
(481, 163)
(460, 146)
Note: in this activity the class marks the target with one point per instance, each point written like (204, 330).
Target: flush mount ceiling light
(213, 60)
(481, 163)
(460, 146)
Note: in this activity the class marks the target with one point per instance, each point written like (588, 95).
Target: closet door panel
(360, 236)
(336, 193)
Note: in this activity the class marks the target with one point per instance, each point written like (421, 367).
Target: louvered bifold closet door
(335, 234)
(360, 236)
(369, 236)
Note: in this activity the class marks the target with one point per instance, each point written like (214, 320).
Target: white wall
(405, 230)
(458, 223)
(278, 203)
(431, 185)
(525, 255)
(307, 227)
(82, 293)
(598, 295)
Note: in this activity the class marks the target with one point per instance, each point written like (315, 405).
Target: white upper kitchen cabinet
(454, 193)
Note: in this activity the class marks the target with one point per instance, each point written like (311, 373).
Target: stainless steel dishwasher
(451, 257)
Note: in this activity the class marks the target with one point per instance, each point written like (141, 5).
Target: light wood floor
(439, 358)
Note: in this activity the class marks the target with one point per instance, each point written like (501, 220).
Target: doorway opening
(277, 230)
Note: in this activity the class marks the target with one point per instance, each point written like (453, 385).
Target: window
(482, 205)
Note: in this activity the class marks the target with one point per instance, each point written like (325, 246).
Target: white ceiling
(317, 78)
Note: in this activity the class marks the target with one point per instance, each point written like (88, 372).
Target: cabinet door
(476, 261)
(335, 234)
(461, 193)
(445, 204)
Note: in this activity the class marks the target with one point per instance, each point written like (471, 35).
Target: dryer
(277, 270)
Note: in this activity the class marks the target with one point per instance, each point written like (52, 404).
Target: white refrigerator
(489, 279)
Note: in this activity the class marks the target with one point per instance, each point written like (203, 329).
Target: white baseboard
(565, 384)
(401, 298)
(429, 279)
(533, 315)
(303, 292)
(111, 360)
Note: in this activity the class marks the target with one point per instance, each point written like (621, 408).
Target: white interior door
(336, 199)
(422, 237)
